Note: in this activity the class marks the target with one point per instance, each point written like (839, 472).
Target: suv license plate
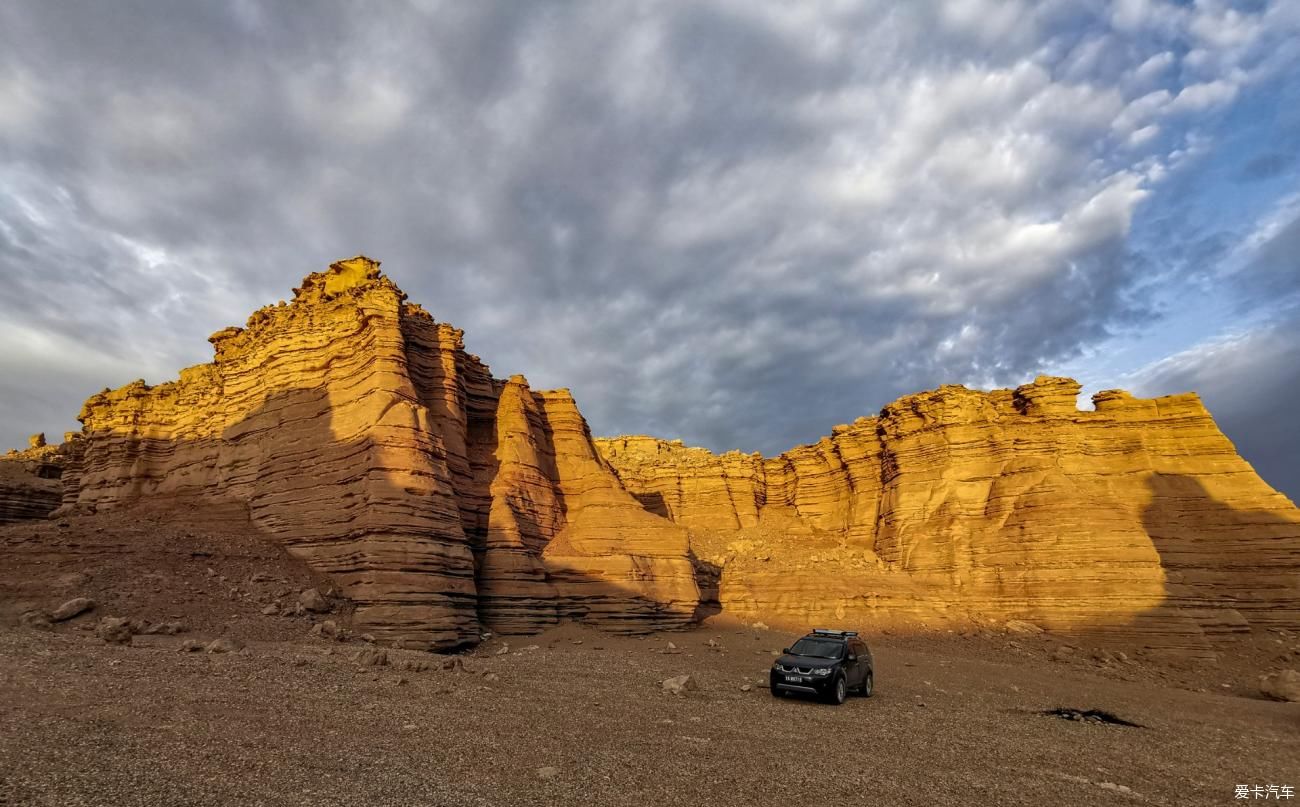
(794, 679)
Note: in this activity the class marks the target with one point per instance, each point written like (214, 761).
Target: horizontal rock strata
(364, 438)
(359, 434)
(30, 485)
(1138, 517)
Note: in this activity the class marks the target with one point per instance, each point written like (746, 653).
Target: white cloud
(689, 209)
(1141, 110)
(1199, 97)
(1154, 67)
(1142, 135)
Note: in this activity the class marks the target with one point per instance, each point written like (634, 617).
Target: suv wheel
(840, 691)
(868, 684)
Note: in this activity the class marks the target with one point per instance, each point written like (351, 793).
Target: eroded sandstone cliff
(1138, 517)
(362, 436)
(30, 485)
(358, 432)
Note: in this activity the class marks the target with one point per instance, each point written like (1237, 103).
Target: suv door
(858, 667)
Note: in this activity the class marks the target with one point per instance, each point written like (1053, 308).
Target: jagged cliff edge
(360, 434)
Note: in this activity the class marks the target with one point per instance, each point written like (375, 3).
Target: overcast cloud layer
(731, 222)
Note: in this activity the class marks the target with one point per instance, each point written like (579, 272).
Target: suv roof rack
(828, 632)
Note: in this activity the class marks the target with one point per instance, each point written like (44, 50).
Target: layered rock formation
(30, 485)
(361, 435)
(1138, 517)
(358, 432)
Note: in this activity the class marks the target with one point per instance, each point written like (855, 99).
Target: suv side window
(857, 648)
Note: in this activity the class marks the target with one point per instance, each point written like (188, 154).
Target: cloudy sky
(735, 223)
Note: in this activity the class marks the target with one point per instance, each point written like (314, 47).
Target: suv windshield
(819, 648)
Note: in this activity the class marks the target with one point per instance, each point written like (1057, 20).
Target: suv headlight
(822, 671)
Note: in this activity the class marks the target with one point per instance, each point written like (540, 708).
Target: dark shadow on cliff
(1227, 570)
(708, 579)
(653, 502)
(371, 512)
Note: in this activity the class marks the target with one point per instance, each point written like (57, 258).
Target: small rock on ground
(114, 630)
(313, 601)
(71, 608)
(1281, 686)
(680, 684)
(225, 644)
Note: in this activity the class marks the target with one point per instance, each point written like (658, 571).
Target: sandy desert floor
(572, 716)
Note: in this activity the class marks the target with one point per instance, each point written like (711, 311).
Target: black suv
(826, 663)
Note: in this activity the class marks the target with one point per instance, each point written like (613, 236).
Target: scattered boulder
(225, 644)
(271, 610)
(491, 676)
(312, 600)
(371, 657)
(1281, 686)
(1021, 626)
(114, 630)
(165, 628)
(745, 688)
(548, 772)
(1063, 654)
(71, 608)
(190, 646)
(329, 629)
(680, 685)
(454, 665)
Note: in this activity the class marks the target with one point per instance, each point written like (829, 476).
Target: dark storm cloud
(735, 223)
(1250, 379)
(1249, 383)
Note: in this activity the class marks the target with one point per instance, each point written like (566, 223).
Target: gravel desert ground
(571, 716)
(577, 717)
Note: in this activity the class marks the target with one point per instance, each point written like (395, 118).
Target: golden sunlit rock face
(360, 435)
(951, 505)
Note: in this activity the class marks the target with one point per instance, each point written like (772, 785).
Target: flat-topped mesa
(363, 438)
(1138, 517)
